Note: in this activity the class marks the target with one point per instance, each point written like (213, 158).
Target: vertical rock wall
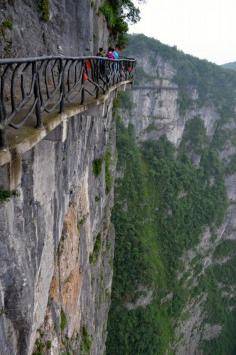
(152, 107)
(74, 28)
(57, 242)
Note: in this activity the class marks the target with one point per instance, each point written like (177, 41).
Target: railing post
(62, 87)
(3, 141)
(106, 74)
(2, 130)
(97, 70)
(39, 123)
(114, 73)
(82, 83)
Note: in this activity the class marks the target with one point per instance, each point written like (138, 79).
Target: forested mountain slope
(174, 287)
(231, 65)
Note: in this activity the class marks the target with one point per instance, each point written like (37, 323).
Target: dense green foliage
(127, 103)
(167, 198)
(194, 137)
(162, 206)
(220, 306)
(118, 14)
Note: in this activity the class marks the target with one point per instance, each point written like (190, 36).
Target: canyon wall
(67, 27)
(57, 240)
(175, 200)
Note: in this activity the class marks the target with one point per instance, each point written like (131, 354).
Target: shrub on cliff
(118, 14)
(44, 10)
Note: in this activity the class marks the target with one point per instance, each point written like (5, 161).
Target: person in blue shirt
(116, 53)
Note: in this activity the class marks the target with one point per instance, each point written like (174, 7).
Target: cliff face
(155, 111)
(177, 153)
(55, 232)
(65, 27)
(57, 242)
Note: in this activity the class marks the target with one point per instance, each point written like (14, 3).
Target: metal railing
(32, 87)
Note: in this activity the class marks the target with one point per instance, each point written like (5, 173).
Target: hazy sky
(203, 28)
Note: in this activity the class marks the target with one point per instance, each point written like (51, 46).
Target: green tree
(118, 14)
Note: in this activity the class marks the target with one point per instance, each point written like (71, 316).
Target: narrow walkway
(37, 92)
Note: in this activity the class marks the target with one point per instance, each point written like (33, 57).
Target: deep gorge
(173, 285)
(147, 176)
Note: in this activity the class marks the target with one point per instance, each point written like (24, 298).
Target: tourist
(101, 52)
(110, 54)
(116, 53)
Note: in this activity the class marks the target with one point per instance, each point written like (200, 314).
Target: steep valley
(174, 283)
(146, 175)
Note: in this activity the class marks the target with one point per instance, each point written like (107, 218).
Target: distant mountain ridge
(231, 65)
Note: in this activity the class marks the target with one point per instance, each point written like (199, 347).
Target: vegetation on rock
(63, 321)
(86, 342)
(44, 9)
(7, 23)
(97, 167)
(214, 84)
(163, 205)
(6, 195)
(96, 250)
(108, 175)
(153, 228)
(118, 14)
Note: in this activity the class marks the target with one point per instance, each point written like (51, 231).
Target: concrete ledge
(27, 137)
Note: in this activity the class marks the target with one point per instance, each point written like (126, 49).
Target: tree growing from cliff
(119, 13)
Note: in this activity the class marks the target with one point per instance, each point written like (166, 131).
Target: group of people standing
(111, 53)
